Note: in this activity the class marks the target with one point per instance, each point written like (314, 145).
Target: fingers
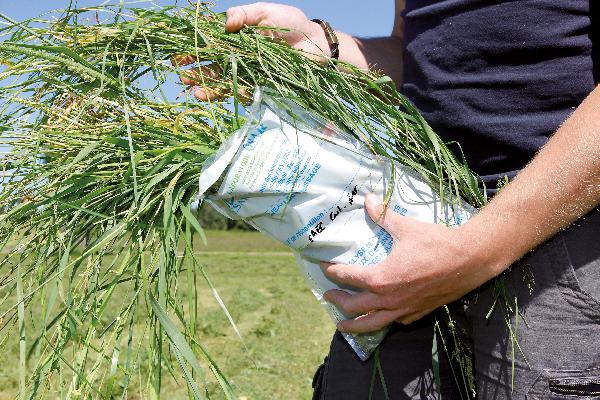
(201, 75)
(391, 221)
(380, 213)
(376, 320)
(410, 318)
(240, 16)
(182, 60)
(208, 94)
(355, 304)
(204, 93)
(357, 276)
(368, 323)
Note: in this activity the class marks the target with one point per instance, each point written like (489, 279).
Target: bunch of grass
(100, 170)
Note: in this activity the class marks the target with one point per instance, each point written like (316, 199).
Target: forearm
(382, 54)
(561, 184)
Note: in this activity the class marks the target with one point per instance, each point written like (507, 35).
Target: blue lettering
(250, 142)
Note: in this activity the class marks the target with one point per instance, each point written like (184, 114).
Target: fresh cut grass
(102, 286)
(285, 333)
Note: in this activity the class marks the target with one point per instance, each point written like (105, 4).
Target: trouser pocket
(582, 246)
(569, 384)
(586, 387)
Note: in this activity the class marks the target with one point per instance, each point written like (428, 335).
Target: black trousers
(535, 336)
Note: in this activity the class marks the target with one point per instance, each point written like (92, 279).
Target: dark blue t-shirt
(498, 77)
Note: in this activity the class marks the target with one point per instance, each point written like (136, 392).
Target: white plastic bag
(301, 181)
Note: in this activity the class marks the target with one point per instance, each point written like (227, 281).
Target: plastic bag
(301, 181)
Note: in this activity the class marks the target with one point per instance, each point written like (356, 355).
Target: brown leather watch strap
(332, 39)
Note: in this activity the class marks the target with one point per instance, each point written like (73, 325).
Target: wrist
(487, 254)
(319, 39)
(332, 40)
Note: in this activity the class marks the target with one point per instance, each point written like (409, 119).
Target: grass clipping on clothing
(100, 169)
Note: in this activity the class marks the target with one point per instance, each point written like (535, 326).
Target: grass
(260, 284)
(99, 157)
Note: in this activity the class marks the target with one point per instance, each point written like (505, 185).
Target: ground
(285, 332)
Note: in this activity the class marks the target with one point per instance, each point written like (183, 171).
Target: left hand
(430, 265)
(299, 32)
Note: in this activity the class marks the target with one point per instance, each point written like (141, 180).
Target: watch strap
(332, 39)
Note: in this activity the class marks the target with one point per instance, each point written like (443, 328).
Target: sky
(357, 17)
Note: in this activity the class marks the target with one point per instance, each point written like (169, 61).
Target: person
(515, 84)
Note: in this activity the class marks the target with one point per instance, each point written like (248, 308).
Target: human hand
(430, 265)
(298, 31)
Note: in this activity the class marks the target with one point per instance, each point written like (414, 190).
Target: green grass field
(285, 332)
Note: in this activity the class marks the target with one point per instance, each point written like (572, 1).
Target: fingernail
(370, 199)
(229, 12)
(226, 19)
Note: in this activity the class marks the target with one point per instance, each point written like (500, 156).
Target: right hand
(303, 34)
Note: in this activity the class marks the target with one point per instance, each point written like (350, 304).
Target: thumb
(381, 214)
(240, 16)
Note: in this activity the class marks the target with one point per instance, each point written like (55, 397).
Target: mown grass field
(285, 332)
